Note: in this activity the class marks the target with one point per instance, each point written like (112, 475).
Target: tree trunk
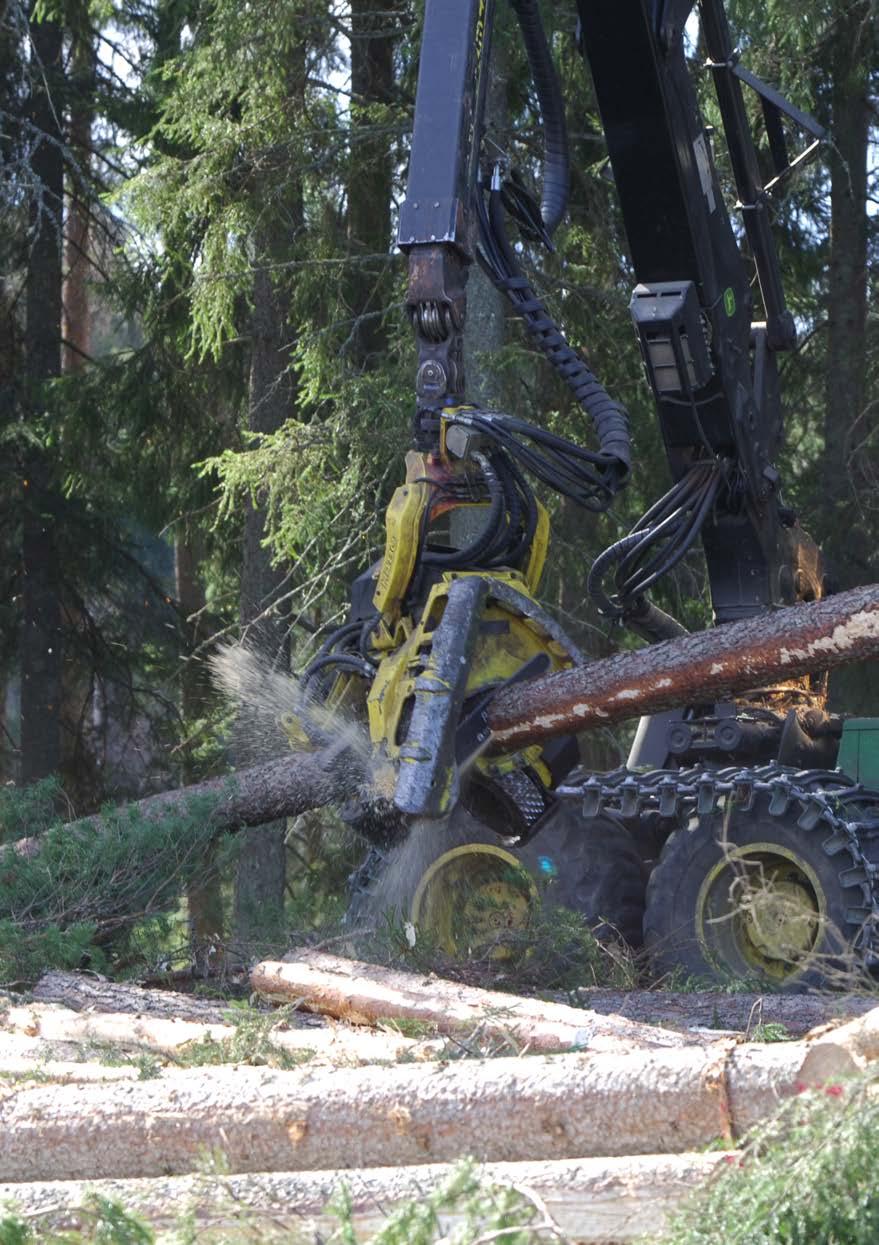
(205, 898)
(83, 993)
(497, 1110)
(373, 35)
(77, 328)
(707, 666)
(365, 993)
(723, 661)
(261, 876)
(591, 1201)
(251, 797)
(849, 462)
(41, 623)
(55, 1030)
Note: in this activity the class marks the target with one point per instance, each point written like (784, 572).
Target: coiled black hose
(556, 162)
(657, 543)
(609, 417)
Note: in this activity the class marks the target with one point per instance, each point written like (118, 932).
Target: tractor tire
(751, 897)
(591, 868)
(594, 869)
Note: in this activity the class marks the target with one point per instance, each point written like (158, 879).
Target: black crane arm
(711, 364)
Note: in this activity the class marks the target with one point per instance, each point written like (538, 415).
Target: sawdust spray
(267, 701)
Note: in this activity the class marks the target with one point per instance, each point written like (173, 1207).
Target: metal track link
(818, 800)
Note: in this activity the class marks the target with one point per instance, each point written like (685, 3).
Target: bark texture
(849, 461)
(366, 993)
(374, 32)
(77, 324)
(590, 1200)
(204, 898)
(284, 788)
(498, 1110)
(58, 1032)
(262, 865)
(82, 992)
(41, 604)
(711, 665)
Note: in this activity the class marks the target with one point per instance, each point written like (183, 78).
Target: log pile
(602, 1120)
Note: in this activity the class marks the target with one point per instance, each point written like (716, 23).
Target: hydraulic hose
(556, 162)
(610, 419)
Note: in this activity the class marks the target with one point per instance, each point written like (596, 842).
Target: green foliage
(479, 1207)
(250, 1043)
(28, 810)
(770, 1032)
(808, 1178)
(104, 1222)
(102, 890)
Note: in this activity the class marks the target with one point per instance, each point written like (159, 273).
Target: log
(338, 1044)
(710, 665)
(83, 992)
(717, 664)
(250, 797)
(592, 1201)
(497, 1110)
(367, 993)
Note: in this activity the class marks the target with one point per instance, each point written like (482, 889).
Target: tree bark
(252, 797)
(366, 993)
(497, 1110)
(262, 866)
(204, 899)
(77, 328)
(370, 178)
(849, 464)
(82, 992)
(41, 622)
(592, 1201)
(707, 666)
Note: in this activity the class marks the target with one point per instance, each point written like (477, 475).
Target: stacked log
(604, 1131)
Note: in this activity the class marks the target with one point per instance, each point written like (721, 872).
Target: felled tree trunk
(589, 1200)
(608, 1019)
(366, 993)
(721, 662)
(58, 1031)
(716, 664)
(251, 797)
(498, 1110)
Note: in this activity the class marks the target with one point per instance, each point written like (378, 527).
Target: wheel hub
(474, 900)
(762, 906)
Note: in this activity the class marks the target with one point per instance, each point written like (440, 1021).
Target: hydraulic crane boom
(711, 366)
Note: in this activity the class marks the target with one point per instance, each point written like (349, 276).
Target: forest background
(206, 374)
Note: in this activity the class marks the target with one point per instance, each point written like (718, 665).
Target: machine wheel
(474, 892)
(748, 895)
